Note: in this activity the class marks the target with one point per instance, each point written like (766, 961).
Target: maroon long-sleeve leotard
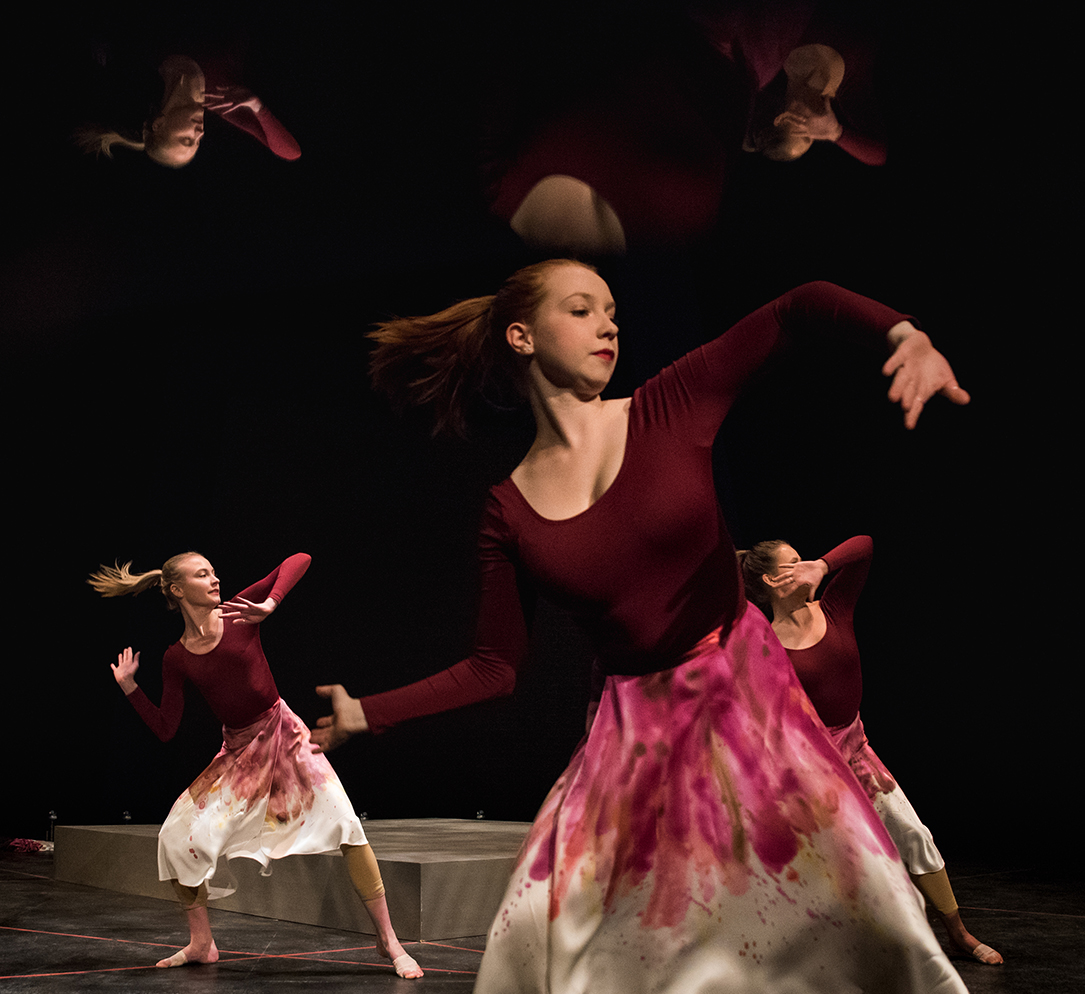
(234, 677)
(649, 569)
(830, 671)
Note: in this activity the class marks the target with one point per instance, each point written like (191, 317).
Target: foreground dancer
(265, 795)
(819, 637)
(706, 835)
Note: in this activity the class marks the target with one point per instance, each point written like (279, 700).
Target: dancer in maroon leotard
(820, 641)
(172, 135)
(265, 795)
(706, 834)
(646, 156)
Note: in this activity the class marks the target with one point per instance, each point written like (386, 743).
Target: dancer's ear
(518, 335)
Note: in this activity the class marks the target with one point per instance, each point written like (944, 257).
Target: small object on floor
(26, 845)
(405, 966)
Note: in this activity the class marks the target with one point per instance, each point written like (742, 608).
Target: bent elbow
(496, 676)
(507, 685)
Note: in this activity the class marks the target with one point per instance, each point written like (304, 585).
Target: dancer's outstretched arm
(347, 719)
(164, 720)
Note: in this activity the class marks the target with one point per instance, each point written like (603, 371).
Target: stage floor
(445, 877)
(60, 937)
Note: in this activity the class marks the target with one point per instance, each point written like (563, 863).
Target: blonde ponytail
(116, 581)
(96, 140)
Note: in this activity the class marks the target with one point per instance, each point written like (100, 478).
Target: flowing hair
(755, 563)
(116, 581)
(97, 140)
(449, 359)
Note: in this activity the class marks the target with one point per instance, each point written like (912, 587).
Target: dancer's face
(178, 134)
(572, 338)
(200, 586)
(786, 556)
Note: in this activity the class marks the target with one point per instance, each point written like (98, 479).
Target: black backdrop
(184, 368)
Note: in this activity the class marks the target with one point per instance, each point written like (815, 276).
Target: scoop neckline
(613, 483)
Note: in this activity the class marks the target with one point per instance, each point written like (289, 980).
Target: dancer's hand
(807, 573)
(243, 612)
(815, 120)
(919, 371)
(347, 719)
(821, 120)
(225, 99)
(124, 670)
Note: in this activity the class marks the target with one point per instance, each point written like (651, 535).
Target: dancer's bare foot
(402, 962)
(405, 966)
(985, 954)
(966, 942)
(191, 955)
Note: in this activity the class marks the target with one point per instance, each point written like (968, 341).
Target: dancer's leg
(935, 887)
(366, 877)
(928, 870)
(201, 946)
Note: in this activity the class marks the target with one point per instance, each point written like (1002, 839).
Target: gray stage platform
(444, 876)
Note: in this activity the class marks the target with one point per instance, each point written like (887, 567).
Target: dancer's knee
(190, 897)
(365, 875)
(936, 888)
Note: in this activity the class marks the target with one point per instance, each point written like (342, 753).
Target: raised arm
(245, 110)
(165, 720)
(257, 601)
(849, 561)
(490, 671)
(867, 150)
(822, 124)
(710, 378)
(849, 565)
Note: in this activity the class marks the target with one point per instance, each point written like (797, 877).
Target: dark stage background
(184, 367)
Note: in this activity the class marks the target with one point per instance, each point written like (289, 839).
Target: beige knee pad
(190, 897)
(363, 870)
(936, 889)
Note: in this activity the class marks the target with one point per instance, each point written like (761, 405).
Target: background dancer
(265, 795)
(172, 133)
(819, 636)
(705, 832)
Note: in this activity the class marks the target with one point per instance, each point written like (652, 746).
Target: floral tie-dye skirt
(264, 796)
(708, 837)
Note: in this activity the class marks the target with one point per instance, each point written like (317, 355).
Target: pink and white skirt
(707, 836)
(264, 796)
